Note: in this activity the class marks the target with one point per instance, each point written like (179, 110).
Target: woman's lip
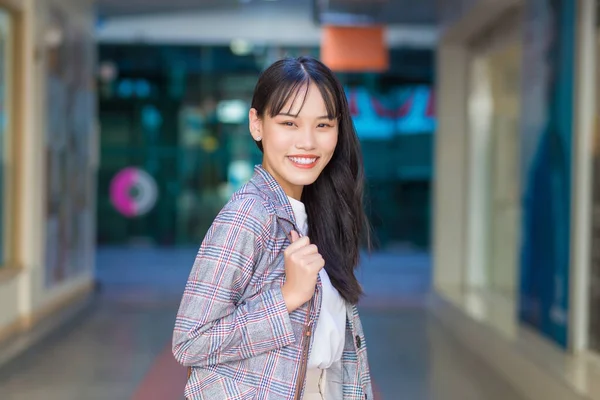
(304, 166)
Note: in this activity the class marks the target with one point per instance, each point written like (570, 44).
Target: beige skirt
(323, 384)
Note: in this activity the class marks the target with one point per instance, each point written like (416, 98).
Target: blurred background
(123, 131)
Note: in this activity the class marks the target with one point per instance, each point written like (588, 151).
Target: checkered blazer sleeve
(213, 325)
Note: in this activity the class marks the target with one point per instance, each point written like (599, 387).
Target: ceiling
(355, 12)
(110, 8)
(409, 12)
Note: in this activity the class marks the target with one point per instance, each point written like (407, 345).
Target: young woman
(269, 310)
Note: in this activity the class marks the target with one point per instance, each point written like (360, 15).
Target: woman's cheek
(331, 143)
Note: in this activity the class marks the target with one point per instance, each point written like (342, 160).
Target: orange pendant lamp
(354, 48)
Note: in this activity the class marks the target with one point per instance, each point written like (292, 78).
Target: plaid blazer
(233, 327)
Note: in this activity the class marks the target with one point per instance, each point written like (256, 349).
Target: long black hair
(334, 202)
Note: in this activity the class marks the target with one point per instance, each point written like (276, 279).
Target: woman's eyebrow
(296, 116)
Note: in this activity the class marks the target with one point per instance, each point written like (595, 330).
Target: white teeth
(302, 160)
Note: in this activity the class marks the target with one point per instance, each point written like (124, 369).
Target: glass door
(494, 202)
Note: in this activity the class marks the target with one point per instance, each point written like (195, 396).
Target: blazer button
(358, 342)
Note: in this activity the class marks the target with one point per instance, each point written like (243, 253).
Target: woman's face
(298, 142)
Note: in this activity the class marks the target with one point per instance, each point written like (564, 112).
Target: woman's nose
(306, 139)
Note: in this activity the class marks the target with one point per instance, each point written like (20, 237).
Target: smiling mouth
(304, 162)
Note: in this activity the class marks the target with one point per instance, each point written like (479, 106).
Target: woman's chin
(305, 181)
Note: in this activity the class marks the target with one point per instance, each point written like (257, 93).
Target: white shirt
(330, 331)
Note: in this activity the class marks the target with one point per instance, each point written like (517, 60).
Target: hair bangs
(288, 92)
(331, 105)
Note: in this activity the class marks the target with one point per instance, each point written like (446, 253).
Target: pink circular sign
(133, 192)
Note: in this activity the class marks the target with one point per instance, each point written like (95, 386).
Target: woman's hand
(302, 265)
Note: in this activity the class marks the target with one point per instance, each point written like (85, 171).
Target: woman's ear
(255, 125)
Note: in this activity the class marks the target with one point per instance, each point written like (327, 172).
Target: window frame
(10, 263)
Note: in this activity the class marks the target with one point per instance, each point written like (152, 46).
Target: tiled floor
(120, 350)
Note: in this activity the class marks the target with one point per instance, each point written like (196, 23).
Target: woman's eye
(287, 123)
(323, 126)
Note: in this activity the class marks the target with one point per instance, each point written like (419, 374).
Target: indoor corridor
(120, 347)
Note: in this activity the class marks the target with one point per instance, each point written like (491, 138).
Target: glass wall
(6, 59)
(177, 118)
(519, 210)
(546, 166)
(494, 205)
(395, 124)
(175, 141)
(496, 91)
(69, 137)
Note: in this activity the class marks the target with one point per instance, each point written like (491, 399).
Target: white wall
(586, 89)
(450, 177)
